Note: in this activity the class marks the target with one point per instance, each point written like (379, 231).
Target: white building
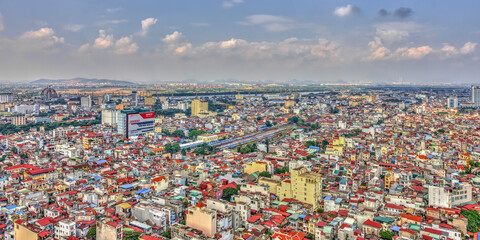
(24, 109)
(86, 102)
(65, 229)
(109, 117)
(452, 102)
(449, 196)
(476, 96)
(6, 97)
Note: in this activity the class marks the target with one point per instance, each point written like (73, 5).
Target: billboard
(140, 123)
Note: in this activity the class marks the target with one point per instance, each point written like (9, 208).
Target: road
(256, 137)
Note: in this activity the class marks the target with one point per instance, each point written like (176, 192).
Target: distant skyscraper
(476, 96)
(199, 106)
(452, 102)
(86, 102)
(6, 97)
(134, 98)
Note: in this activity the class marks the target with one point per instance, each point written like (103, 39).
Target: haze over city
(239, 120)
(410, 42)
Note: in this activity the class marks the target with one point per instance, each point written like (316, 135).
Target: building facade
(134, 123)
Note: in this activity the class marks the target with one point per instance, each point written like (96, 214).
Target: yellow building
(21, 232)
(289, 103)
(338, 141)
(199, 107)
(208, 137)
(334, 150)
(388, 179)
(150, 101)
(303, 186)
(202, 219)
(306, 186)
(271, 183)
(258, 166)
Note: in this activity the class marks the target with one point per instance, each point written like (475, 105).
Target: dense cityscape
(239, 120)
(392, 162)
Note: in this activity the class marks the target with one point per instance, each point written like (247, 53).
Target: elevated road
(256, 137)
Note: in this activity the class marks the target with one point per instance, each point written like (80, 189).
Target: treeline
(7, 129)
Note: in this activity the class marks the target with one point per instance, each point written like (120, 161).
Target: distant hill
(81, 81)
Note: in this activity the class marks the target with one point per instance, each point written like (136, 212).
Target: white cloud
(271, 23)
(103, 41)
(73, 27)
(450, 51)
(177, 43)
(468, 47)
(41, 38)
(125, 45)
(415, 52)
(107, 42)
(175, 37)
(346, 11)
(232, 43)
(391, 32)
(231, 3)
(146, 24)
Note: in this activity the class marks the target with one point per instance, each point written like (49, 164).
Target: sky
(265, 41)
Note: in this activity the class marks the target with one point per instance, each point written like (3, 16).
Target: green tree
(386, 235)
(228, 193)
(473, 220)
(293, 119)
(131, 235)
(194, 133)
(268, 124)
(167, 234)
(310, 143)
(178, 133)
(282, 170)
(265, 174)
(92, 233)
(310, 236)
(14, 150)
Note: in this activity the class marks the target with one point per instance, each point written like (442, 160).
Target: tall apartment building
(306, 186)
(109, 116)
(18, 120)
(476, 96)
(452, 102)
(303, 186)
(6, 97)
(199, 107)
(134, 123)
(86, 102)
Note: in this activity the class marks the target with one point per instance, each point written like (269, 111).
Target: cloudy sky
(252, 40)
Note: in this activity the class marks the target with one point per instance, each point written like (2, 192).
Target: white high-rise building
(452, 102)
(6, 97)
(476, 96)
(109, 116)
(86, 102)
